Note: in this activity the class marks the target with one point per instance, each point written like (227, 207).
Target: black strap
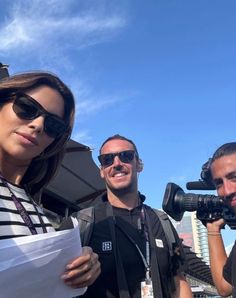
(24, 215)
(166, 225)
(233, 277)
(156, 279)
(86, 221)
(171, 242)
(85, 218)
(43, 226)
(120, 274)
(155, 273)
(22, 211)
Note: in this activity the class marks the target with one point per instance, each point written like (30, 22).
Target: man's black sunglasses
(28, 108)
(107, 160)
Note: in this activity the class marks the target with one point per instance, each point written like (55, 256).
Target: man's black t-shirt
(227, 271)
(101, 242)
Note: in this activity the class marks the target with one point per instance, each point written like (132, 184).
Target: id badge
(146, 289)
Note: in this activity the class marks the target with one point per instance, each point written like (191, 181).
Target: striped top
(11, 223)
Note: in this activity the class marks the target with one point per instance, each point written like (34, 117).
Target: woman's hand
(82, 271)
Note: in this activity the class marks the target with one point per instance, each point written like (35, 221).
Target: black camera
(208, 207)
(205, 183)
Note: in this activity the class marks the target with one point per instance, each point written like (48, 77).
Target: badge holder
(146, 287)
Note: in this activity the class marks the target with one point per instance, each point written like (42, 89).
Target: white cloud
(90, 101)
(47, 35)
(12, 35)
(93, 106)
(83, 137)
(36, 25)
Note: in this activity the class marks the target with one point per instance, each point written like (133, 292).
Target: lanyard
(146, 261)
(145, 229)
(145, 223)
(23, 213)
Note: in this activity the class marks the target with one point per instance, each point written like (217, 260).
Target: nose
(37, 124)
(228, 188)
(116, 161)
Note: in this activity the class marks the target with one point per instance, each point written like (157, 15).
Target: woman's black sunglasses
(27, 108)
(107, 160)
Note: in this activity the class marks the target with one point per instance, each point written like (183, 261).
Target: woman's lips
(28, 137)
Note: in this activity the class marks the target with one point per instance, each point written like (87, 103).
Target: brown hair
(119, 137)
(43, 167)
(225, 149)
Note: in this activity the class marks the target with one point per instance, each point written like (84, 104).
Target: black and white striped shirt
(11, 223)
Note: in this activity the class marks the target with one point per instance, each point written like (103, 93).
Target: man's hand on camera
(216, 225)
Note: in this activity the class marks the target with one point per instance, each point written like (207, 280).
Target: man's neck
(127, 201)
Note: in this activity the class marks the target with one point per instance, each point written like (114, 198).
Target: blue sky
(161, 72)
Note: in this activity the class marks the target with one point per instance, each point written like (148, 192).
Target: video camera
(208, 207)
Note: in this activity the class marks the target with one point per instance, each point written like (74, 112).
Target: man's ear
(139, 165)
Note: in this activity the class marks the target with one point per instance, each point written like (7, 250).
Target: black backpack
(86, 218)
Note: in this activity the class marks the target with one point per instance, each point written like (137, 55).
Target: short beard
(120, 192)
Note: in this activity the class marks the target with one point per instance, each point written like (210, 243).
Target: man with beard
(223, 174)
(128, 236)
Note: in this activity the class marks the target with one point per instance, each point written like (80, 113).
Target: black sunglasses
(107, 160)
(27, 108)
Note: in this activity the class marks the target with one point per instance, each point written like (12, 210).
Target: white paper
(32, 266)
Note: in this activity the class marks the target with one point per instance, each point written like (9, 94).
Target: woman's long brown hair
(43, 167)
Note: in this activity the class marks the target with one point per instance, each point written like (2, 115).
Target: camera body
(209, 207)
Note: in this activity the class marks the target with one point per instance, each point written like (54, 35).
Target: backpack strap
(85, 219)
(174, 244)
(233, 276)
(167, 227)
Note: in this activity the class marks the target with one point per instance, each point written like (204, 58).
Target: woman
(36, 118)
